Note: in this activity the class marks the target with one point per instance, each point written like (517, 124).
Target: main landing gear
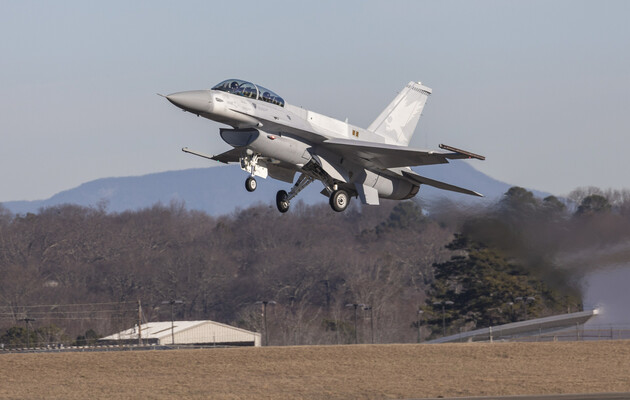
(339, 199)
(283, 199)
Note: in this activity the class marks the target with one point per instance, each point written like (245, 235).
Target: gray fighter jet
(273, 138)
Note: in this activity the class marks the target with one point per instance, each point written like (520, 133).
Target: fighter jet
(271, 137)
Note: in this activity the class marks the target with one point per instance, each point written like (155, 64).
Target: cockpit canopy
(248, 89)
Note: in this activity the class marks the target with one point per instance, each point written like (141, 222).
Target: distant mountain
(220, 190)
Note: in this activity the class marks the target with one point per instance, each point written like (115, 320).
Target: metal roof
(187, 332)
(521, 328)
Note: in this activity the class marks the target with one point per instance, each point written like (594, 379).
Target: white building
(186, 332)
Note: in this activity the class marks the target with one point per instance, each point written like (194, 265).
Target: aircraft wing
(412, 176)
(385, 156)
(227, 157)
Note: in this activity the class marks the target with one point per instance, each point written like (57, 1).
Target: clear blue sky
(540, 87)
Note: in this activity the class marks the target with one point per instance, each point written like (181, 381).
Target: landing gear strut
(251, 184)
(283, 199)
(253, 165)
(339, 200)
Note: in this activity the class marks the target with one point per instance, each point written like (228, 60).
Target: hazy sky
(539, 87)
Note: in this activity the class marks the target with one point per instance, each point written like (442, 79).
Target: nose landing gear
(251, 184)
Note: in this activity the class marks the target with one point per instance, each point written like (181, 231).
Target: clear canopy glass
(248, 89)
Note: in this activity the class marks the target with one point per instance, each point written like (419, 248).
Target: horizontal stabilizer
(459, 153)
(437, 184)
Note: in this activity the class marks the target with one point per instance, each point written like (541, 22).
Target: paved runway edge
(581, 396)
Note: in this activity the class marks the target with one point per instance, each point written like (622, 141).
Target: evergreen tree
(17, 336)
(593, 204)
(486, 289)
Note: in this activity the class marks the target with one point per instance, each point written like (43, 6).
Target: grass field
(322, 372)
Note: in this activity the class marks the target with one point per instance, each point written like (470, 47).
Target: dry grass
(324, 372)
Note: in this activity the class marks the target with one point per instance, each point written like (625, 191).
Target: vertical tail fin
(398, 121)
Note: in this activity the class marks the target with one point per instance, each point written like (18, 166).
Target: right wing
(278, 172)
(228, 157)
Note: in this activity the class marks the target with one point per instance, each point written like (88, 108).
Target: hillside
(220, 190)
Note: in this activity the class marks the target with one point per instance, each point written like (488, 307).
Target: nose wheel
(339, 200)
(251, 184)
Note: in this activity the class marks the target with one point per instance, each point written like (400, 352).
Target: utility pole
(356, 337)
(264, 310)
(27, 320)
(443, 304)
(420, 312)
(369, 308)
(139, 323)
(172, 303)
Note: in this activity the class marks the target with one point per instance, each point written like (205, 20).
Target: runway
(582, 396)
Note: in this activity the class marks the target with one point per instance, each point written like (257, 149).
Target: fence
(589, 332)
(55, 325)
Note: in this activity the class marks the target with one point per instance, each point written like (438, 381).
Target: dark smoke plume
(560, 240)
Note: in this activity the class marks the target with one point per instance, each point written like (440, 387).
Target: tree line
(401, 262)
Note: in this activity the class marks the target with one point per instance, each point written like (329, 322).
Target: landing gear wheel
(251, 184)
(339, 200)
(282, 202)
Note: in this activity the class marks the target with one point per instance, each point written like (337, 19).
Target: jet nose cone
(194, 101)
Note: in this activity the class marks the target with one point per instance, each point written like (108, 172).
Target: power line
(34, 313)
(70, 305)
(76, 318)
(70, 312)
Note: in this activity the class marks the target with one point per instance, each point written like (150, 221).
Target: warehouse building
(185, 333)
